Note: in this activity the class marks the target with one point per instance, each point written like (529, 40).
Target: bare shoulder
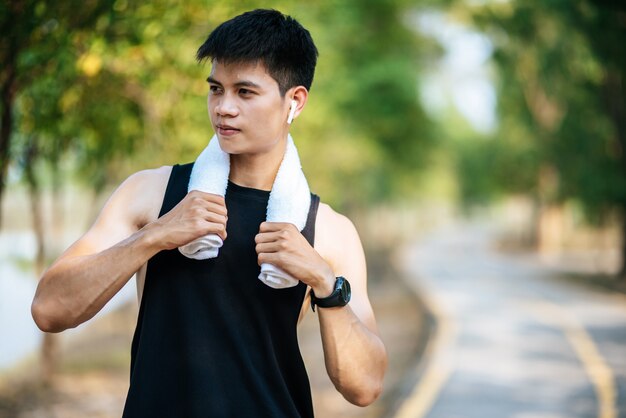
(153, 177)
(140, 196)
(135, 203)
(329, 221)
(336, 237)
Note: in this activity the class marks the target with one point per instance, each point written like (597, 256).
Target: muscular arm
(354, 354)
(125, 236)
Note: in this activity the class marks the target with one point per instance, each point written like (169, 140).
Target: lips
(226, 129)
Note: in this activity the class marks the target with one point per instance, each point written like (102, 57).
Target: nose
(224, 106)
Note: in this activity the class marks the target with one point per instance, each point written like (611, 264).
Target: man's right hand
(197, 215)
(126, 234)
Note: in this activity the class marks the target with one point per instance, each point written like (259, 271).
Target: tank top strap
(309, 227)
(176, 187)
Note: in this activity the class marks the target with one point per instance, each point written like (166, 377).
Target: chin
(227, 144)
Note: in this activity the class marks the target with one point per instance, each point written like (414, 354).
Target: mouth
(226, 129)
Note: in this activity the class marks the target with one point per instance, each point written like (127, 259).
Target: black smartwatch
(340, 296)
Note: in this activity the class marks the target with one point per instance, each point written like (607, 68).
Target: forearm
(355, 357)
(75, 288)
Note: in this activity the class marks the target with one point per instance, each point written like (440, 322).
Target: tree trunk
(614, 91)
(550, 232)
(34, 190)
(57, 223)
(549, 221)
(622, 270)
(7, 97)
(49, 355)
(49, 358)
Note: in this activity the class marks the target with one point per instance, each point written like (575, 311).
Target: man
(211, 339)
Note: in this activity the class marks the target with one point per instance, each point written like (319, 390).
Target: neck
(257, 171)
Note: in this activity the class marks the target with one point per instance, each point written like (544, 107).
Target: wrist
(325, 283)
(149, 239)
(339, 297)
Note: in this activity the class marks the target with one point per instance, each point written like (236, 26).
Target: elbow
(363, 396)
(45, 317)
(364, 390)
(366, 398)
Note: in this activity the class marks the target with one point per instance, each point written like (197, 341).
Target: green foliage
(113, 87)
(373, 87)
(561, 71)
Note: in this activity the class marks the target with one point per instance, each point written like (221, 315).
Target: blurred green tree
(36, 38)
(373, 118)
(128, 77)
(561, 71)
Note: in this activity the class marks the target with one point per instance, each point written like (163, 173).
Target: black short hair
(278, 41)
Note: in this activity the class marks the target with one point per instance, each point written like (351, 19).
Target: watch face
(345, 291)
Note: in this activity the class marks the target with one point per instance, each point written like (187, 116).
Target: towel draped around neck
(289, 201)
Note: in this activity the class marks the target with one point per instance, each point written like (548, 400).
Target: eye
(245, 92)
(213, 89)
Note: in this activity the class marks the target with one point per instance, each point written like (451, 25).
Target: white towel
(289, 202)
(210, 175)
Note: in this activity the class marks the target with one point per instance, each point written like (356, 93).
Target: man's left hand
(282, 245)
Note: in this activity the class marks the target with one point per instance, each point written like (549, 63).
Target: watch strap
(339, 297)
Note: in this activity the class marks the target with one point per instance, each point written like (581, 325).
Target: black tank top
(211, 339)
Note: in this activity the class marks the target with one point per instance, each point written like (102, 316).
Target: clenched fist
(197, 215)
(282, 245)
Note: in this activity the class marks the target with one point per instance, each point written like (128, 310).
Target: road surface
(511, 340)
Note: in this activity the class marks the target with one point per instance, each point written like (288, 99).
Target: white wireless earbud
(292, 111)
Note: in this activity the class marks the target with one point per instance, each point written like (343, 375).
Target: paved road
(511, 341)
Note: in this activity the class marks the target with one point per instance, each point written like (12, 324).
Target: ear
(298, 97)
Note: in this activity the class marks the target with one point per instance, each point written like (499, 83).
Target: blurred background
(478, 145)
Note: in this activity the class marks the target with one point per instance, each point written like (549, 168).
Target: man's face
(246, 109)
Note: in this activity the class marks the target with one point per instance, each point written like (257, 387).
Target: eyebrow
(242, 83)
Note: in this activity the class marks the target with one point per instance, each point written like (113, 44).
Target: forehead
(237, 72)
